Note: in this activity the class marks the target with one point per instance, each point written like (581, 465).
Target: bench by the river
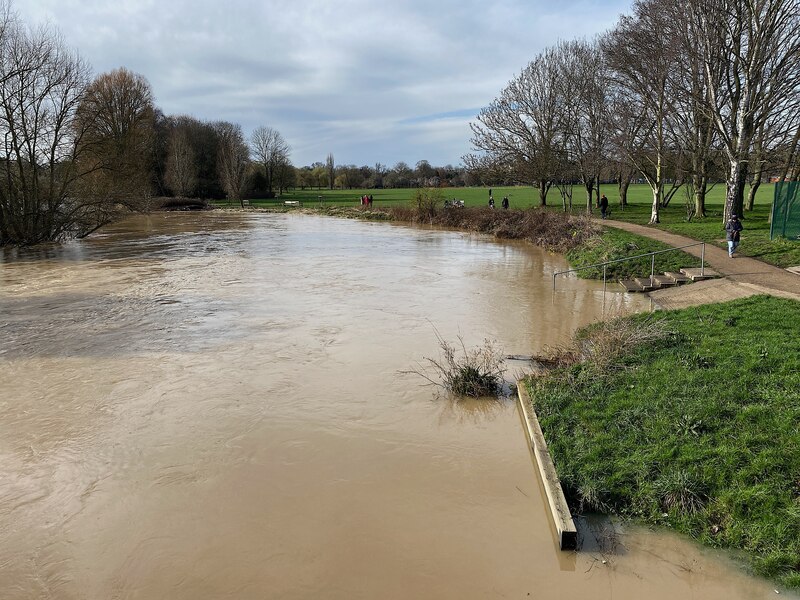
(291, 203)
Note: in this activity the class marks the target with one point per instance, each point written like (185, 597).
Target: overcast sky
(369, 81)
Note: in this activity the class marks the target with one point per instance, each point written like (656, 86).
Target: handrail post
(604, 284)
(703, 259)
(554, 281)
(652, 267)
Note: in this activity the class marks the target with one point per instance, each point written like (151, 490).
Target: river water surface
(204, 406)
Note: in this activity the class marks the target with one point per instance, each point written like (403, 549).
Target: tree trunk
(657, 187)
(655, 205)
(700, 197)
(543, 189)
(790, 158)
(624, 183)
(597, 191)
(751, 193)
(734, 197)
(758, 171)
(589, 184)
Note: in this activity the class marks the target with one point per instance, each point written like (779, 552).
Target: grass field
(698, 430)
(755, 238)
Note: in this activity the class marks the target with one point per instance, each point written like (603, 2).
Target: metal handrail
(652, 256)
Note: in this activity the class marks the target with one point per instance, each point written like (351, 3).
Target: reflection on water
(210, 406)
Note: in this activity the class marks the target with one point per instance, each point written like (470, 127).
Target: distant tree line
(679, 93)
(401, 175)
(80, 151)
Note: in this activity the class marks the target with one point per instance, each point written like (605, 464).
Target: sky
(365, 80)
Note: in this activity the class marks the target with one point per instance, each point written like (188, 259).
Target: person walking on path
(733, 228)
(742, 277)
(603, 206)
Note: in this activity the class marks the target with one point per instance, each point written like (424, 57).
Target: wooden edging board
(559, 511)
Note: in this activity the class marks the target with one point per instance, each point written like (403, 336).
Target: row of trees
(677, 93)
(401, 175)
(194, 158)
(80, 151)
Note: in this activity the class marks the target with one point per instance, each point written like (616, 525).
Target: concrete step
(647, 283)
(663, 281)
(631, 285)
(695, 273)
(678, 278)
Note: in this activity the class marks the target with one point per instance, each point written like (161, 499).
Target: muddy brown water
(211, 406)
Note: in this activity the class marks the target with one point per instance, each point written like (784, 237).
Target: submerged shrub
(472, 372)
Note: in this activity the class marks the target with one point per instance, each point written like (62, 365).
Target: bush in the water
(475, 372)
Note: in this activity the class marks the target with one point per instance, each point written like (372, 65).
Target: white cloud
(348, 77)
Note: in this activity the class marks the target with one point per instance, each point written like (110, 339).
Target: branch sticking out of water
(472, 372)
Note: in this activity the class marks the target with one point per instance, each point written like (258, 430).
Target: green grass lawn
(755, 238)
(698, 431)
(519, 197)
(614, 244)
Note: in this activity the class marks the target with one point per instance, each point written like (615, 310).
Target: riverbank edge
(581, 241)
(559, 509)
(786, 573)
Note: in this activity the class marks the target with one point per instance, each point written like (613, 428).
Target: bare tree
(585, 83)
(642, 55)
(691, 125)
(789, 152)
(270, 150)
(117, 120)
(751, 60)
(181, 164)
(285, 175)
(232, 159)
(42, 83)
(525, 125)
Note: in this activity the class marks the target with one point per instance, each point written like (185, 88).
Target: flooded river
(208, 406)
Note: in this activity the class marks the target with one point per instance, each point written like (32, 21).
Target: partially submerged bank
(687, 419)
(581, 240)
(555, 231)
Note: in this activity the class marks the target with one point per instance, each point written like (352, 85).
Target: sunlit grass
(699, 431)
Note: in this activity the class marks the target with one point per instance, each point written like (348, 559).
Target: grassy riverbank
(614, 244)
(697, 428)
(584, 243)
(755, 241)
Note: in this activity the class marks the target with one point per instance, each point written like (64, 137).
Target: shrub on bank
(696, 428)
(552, 230)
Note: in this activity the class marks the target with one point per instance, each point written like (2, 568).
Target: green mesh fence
(786, 211)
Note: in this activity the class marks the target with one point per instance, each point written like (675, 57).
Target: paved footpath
(742, 276)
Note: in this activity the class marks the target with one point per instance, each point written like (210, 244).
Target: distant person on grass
(733, 228)
(603, 206)
(505, 202)
(491, 202)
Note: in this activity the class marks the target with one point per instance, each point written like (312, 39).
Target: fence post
(703, 260)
